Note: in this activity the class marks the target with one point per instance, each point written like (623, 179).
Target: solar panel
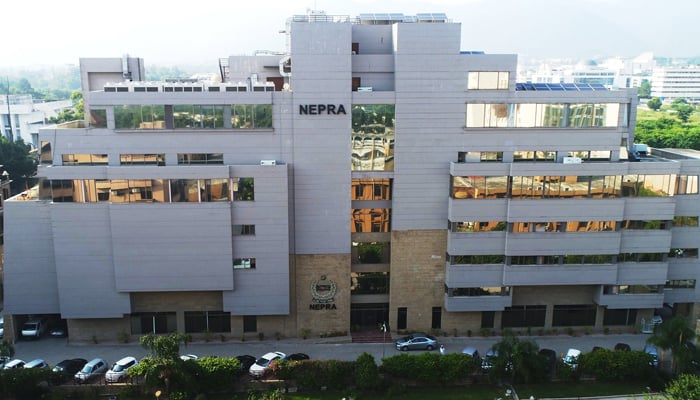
(540, 86)
(569, 86)
(598, 86)
(555, 86)
(519, 86)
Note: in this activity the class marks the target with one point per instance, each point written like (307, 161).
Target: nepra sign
(318, 109)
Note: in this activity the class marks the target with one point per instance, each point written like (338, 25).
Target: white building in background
(673, 83)
(24, 116)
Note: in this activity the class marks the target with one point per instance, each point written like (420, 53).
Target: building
(375, 173)
(22, 117)
(670, 83)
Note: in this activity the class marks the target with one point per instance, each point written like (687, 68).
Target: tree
(654, 104)
(7, 349)
(685, 387)
(164, 364)
(76, 113)
(644, 89)
(517, 360)
(677, 336)
(18, 162)
(683, 109)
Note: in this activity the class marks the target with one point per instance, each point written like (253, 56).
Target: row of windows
(371, 189)
(534, 115)
(371, 252)
(556, 226)
(195, 322)
(370, 220)
(569, 258)
(478, 291)
(632, 289)
(538, 187)
(187, 116)
(479, 80)
(147, 190)
(139, 159)
(532, 155)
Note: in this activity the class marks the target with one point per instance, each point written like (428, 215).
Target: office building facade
(373, 174)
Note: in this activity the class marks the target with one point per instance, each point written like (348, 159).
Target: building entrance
(368, 316)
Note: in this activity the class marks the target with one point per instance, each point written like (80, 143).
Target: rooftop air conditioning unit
(268, 162)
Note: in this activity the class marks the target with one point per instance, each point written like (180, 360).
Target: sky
(173, 33)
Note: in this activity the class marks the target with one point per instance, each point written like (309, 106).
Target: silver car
(417, 341)
(91, 370)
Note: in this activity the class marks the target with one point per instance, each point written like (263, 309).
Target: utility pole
(9, 116)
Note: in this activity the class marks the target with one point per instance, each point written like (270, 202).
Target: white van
(34, 328)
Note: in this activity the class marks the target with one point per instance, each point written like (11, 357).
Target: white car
(257, 370)
(12, 364)
(120, 370)
(571, 358)
(2, 327)
(187, 357)
(38, 363)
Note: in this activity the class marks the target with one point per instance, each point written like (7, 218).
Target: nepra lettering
(318, 109)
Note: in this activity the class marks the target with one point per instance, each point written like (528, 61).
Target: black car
(623, 347)
(550, 357)
(66, 369)
(298, 357)
(246, 361)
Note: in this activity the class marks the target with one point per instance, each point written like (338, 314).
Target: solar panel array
(398, 17)
(555, 87)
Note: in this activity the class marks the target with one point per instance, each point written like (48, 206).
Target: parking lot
(53, 350)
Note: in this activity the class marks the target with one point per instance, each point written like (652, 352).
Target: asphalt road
(53, 350)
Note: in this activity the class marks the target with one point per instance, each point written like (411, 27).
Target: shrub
(314, 374)
(366, 372)
(616, 366)
(429, 367)
(23, 383)
(217, 373)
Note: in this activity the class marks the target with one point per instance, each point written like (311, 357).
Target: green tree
(645, 89)
(685, 387)
(164, 365)
(674, 334)
(366, 372)
(75, 113)
(7, 349)
(19, 163)
(654, 104)
(517, 361)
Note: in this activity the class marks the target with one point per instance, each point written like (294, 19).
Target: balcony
(632, 300)
(567, 274)
(477, 303)
(474, 275)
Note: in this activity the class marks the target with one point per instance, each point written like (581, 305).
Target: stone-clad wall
(417, 276)
(310, 269)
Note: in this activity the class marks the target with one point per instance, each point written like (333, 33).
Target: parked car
(623, 347)
(2, 327)
(91, 370)
(473, 353)
(298, 357)
(66, 370)
(487, 361)
(34, 328)
(38, 363)
(417, 341)
(654, 353)
(571, 358)
(3, 361)
(550, 357)
(258, 369)
(246, 361)
(187, 357)
(120, 370)
(12, 364)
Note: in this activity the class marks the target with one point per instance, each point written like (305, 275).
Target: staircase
(371, 336)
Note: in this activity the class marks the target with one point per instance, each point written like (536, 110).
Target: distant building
(668, 84)
(24, 116)
(373, 175)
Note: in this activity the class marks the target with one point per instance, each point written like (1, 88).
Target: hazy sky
(170, 33)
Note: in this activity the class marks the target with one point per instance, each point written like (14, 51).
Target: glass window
(371, 220)
(523, 316)
(244, 263)
(487, 80)
(142, 159)
(207, 321)
(685, 221)
(369, 283)
(139, 117)
(373, 137)
(46, 155)
(622, 316)
(159, 322)
(98, 118)
(243, 230)
(243, 189)
(574, 315)
(371, 189)
(250, 323)
(84, 159)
